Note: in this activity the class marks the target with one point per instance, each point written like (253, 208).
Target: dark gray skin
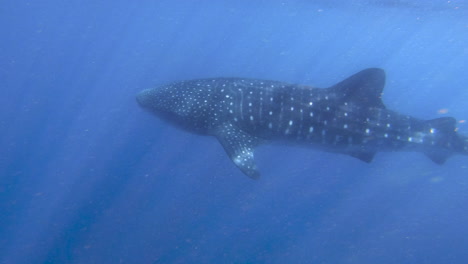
(348, 118)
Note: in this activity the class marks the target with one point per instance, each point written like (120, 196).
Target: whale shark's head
(150, 100)
(160, 102)
(176, 105)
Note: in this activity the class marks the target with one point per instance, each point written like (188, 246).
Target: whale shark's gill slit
(241, 103)
(260, 107)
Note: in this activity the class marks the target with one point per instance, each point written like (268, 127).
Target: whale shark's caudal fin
(445, 135)
(239, 145)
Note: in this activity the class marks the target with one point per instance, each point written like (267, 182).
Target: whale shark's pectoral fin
(239, 145)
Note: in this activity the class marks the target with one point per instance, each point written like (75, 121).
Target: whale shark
(347, 118)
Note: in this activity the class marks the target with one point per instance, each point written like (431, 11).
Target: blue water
(86, 176)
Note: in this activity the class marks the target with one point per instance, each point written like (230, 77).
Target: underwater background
(87, 176)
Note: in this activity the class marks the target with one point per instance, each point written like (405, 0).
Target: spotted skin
(348, 118)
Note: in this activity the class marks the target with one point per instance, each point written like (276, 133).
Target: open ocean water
(87, 176)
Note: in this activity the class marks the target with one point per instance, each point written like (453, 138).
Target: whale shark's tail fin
(446, 138)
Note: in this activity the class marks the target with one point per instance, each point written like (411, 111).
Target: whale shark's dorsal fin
(364, 88)
(239, 147)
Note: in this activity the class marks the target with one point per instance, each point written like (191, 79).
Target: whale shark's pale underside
(348, 118)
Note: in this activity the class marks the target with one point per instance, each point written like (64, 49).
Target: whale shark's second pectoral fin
(366, 156)
(239, 145)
